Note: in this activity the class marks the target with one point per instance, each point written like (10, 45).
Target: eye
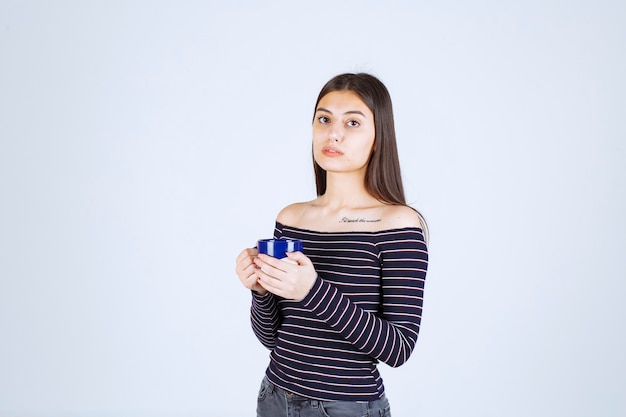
(353, 123)
(323, 119)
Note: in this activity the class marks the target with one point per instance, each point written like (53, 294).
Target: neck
(346, 191)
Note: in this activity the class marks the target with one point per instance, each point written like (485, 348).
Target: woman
(354, 297)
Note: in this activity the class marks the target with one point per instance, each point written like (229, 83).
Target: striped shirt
(364, 307)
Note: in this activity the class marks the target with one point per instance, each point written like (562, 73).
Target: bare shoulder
(398, 216)
(292, 214)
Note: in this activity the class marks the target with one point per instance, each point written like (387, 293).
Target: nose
(335, 134)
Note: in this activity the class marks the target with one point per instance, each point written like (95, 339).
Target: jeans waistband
(296, 397)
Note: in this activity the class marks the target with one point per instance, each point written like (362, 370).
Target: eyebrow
(348, 112)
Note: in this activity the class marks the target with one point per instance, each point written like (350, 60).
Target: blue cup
(278, 248)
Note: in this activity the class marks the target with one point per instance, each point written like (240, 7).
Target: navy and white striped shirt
(364, 307)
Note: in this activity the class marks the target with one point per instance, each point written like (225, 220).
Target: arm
(265, 318)
(389, 336)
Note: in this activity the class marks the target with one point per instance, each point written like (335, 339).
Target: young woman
(354, 296)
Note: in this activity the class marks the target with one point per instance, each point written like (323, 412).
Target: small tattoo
(359, 220)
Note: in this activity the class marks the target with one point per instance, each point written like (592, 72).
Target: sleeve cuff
(317, 294)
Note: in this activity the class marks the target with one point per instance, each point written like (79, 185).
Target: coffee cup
(278, 248)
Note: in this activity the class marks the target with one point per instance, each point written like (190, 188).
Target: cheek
(318, 139)
(317, 148)
(318, 132)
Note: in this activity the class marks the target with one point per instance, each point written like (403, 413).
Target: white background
(145, 143)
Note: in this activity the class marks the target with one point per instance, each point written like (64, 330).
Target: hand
(291, 279)
(247, 271)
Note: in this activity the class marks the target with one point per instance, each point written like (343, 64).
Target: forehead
(344, 100)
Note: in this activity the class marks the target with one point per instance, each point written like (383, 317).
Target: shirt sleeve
(391, 334)
(265, 317)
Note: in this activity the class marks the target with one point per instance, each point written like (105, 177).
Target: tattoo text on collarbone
(358, 220)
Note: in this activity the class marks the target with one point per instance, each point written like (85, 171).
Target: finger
(245, 263)
(242, 255)
(298, 257)
(271, 262)
(247, 274)
(270, 274)
(246, 258)
(249, 270)
(270, 284)
(269, 271)
(246, 253)
(242, 266)
(251, 281)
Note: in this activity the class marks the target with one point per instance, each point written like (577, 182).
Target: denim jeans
(276, 402)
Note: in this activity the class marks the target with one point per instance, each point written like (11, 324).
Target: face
(343, 133)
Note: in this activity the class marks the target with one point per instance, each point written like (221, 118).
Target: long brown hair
(383, 179)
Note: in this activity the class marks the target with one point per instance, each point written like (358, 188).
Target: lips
(330, 151)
